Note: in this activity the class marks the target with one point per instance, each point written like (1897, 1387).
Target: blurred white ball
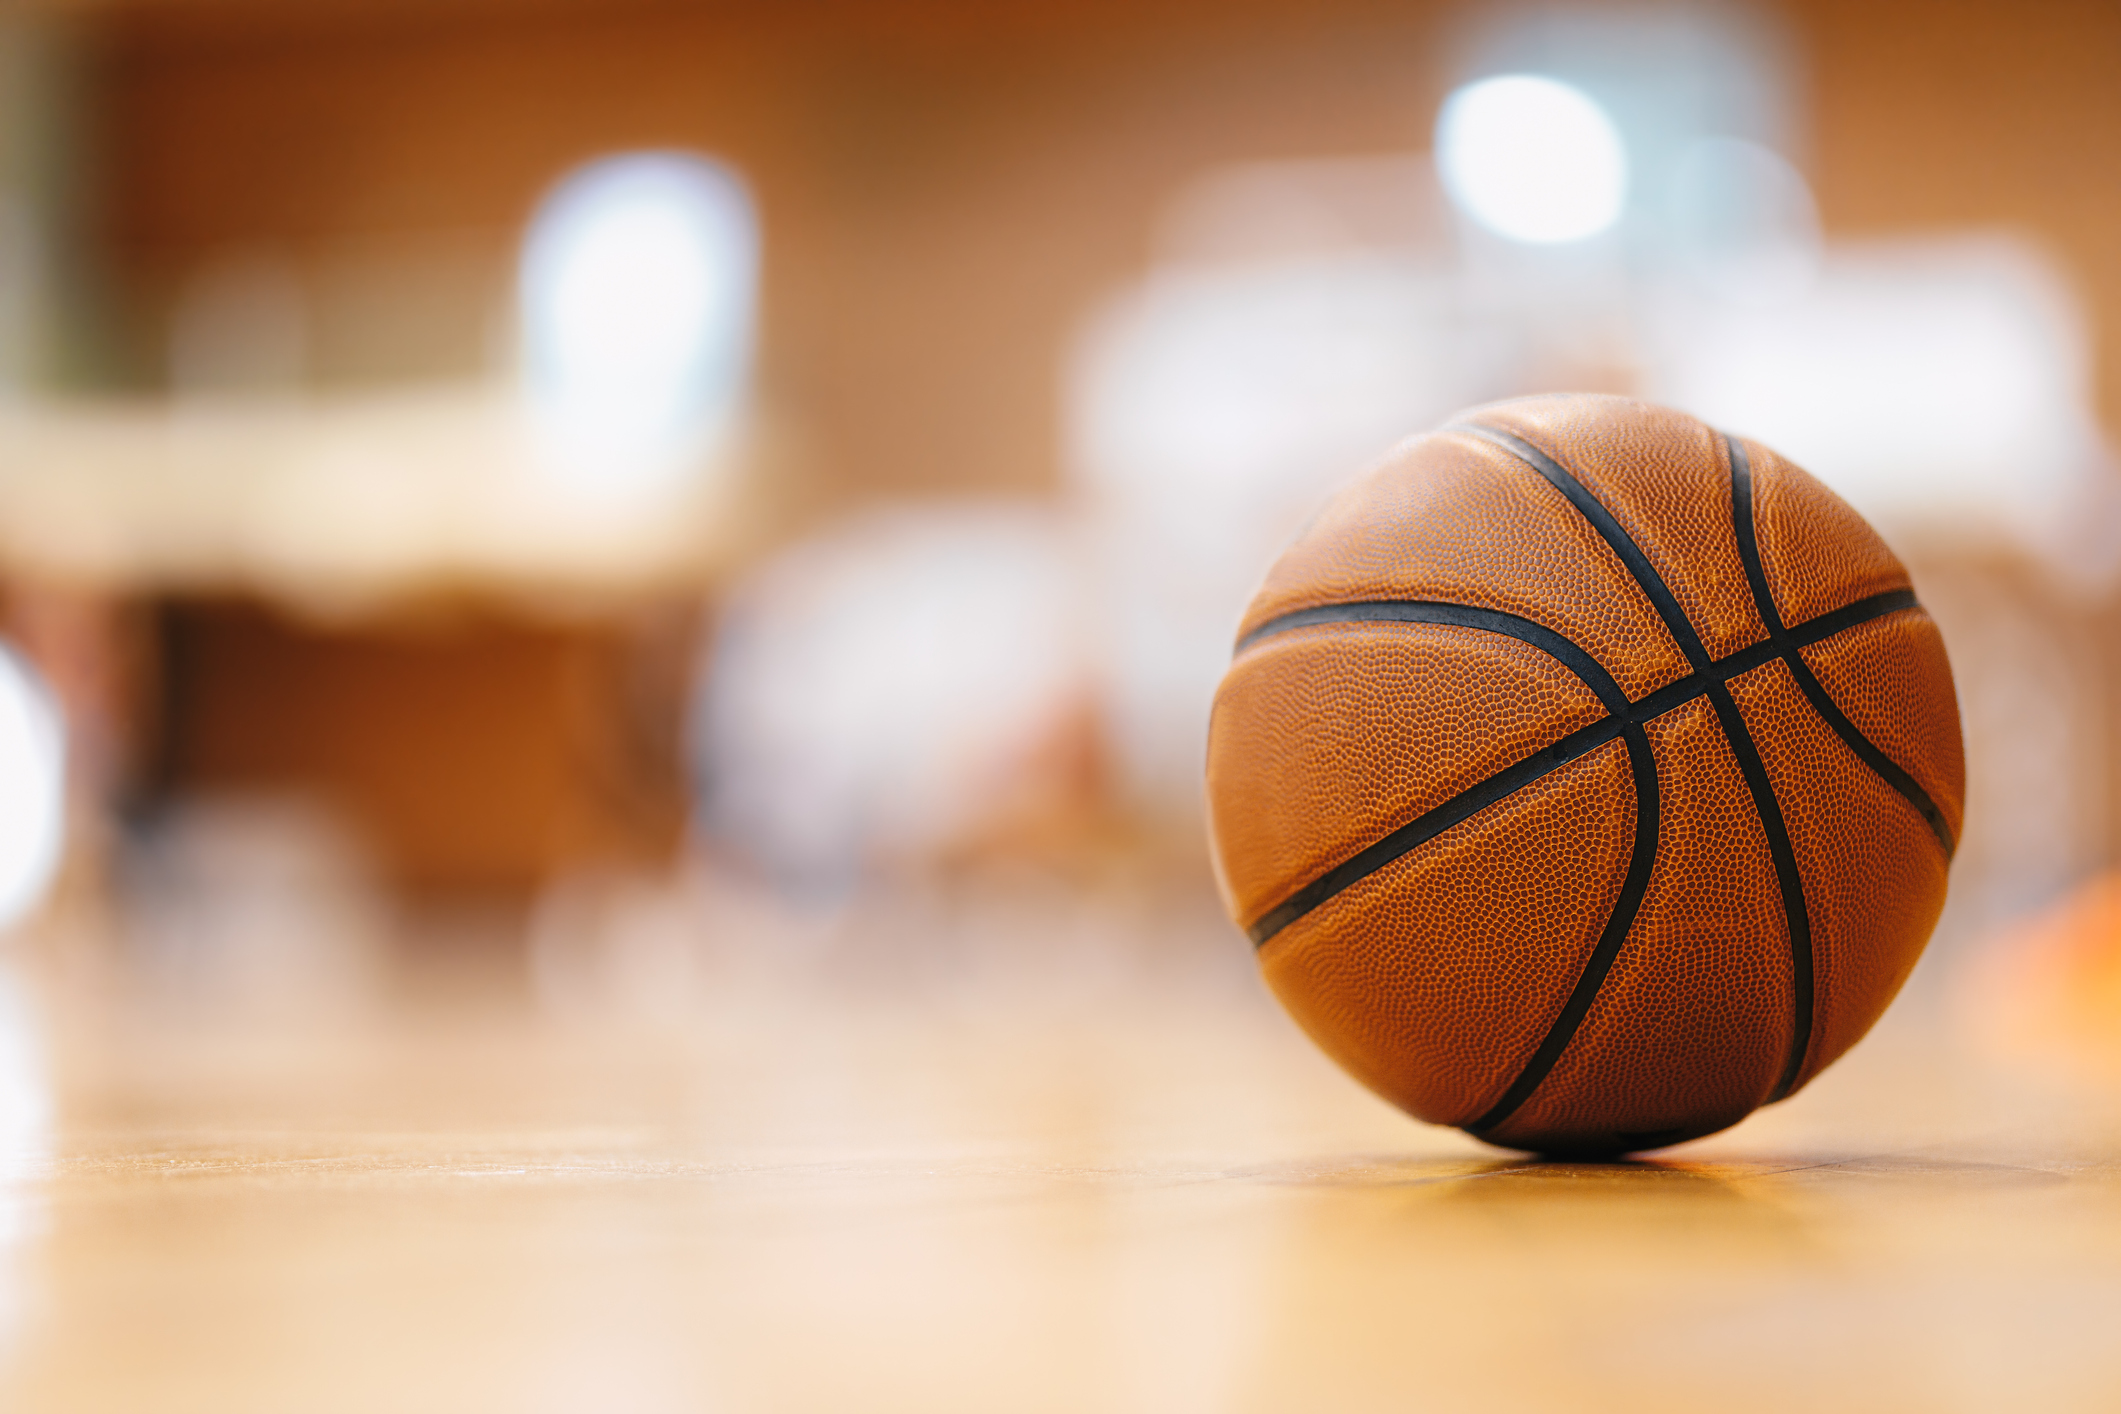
(877, 693)
(32, 788)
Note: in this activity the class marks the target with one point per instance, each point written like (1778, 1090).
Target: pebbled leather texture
(1817, 552)
(1433, 979)
(1874, 876)
(1662, 475)
(1707, 959)
(1456, 519)
(1380, 747)
(1891, 679)
(1490, 969)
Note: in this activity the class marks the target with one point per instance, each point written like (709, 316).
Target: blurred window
(1657, 78)
(1532, 159)
(637, 288)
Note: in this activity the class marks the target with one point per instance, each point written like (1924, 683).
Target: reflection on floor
(1091, 1169)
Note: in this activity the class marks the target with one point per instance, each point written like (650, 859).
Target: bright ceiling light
(637, 289)
(1532, 159)
(32, 789)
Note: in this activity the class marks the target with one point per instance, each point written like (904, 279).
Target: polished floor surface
(1138, 1191)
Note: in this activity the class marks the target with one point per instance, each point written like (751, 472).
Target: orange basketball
(1585, 777)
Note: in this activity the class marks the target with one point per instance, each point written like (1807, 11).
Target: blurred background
(702, 520)
(593, 502)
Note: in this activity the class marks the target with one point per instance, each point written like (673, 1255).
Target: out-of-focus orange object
(2049, 989)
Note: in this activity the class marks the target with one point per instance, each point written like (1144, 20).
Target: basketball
(1585, 777)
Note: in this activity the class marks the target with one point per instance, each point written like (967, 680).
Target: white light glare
(637, 289)
(32, 789)
(1532, 159)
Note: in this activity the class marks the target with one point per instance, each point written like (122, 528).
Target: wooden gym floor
(1114, 1190)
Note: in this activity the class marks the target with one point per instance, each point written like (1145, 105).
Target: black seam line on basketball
(1609, 529)
(1622, 918)
(1427, 611)
(1642, 762)
(1788, 878)
(1887, 769)
(1729, 718)
(1803, 966)
(1593, 672)
(1427, 826)
(1475, 798)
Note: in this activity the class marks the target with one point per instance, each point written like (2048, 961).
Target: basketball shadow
(1363, 1171)
(1501, 1178)
(1655, 1209)
(1648, 1209)
(1663, 1179)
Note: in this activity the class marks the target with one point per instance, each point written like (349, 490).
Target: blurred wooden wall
(947, 186)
